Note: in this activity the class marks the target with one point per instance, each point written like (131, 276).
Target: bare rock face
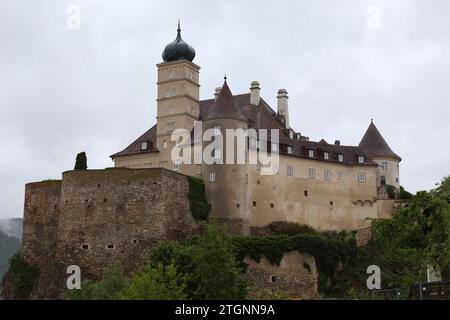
(294, 278)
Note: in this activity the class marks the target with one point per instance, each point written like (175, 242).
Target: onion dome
(224, 106)
(374, 145)
(178, 49)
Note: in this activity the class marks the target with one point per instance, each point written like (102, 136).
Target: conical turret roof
(374, 144)
(224, 106)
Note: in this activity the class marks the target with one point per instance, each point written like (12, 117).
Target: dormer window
(311, 153)
(340, 157)
(289, 150)
(144, 145)
(361, 159)
(326, 155)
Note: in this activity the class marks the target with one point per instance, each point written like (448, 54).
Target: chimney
(255, 96)
(216, 93)
(283, 105)
(337, 142)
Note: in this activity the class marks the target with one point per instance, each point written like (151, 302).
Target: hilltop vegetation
(8, 248)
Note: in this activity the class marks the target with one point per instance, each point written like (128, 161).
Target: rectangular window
(305, 193)
(361, 159)
(383, 180)
(327, 175)
(170, 126)
(254, 203)
(212, 176)
(312, 173)
(272, 205)
(341, 157)
(290, 171)
(341, 176)
(176, 167)
(362, 177)
(326, 155)
(289, 150)
(384, 166)
(311, 153)
(144, 146)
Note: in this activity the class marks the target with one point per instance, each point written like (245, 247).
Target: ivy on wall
(329, 250)
(197, 198)
(24, 277)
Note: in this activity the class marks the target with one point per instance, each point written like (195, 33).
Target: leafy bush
(24, 277)
(162, 282)
(405, 195)
(207, 263)
(290, 228)
(391, 191)
(108, 288)
(197, 198)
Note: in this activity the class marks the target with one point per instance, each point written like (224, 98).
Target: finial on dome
(178, 49)
(225, 77)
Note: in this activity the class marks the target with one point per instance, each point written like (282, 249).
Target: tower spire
(179, 27)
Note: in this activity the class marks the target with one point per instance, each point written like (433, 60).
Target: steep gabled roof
(374, 144)
(224, 107)
(136, 147)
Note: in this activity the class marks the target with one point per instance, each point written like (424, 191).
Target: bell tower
(178, 94)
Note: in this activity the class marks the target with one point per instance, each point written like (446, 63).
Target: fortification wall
(296, 277)
(119, 215)
(41, 218)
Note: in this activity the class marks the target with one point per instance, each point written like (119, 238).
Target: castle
(326, 186)
(92, 218)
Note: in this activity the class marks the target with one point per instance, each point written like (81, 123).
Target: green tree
(109, 288)
(216, 269)
(81, 161)
(162, 282)
(208, 263)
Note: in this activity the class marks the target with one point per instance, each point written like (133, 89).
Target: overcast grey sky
(63, 91)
